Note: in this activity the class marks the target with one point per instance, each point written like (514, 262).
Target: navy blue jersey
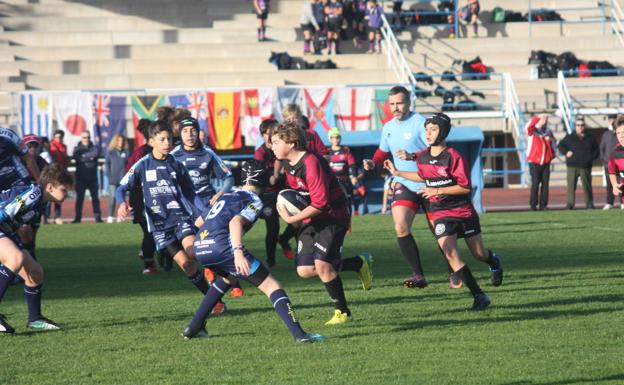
(20, 205)
(212, 243)
(203, 164)
(12, 168)
(168, 192)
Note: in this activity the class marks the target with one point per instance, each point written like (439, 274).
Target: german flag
(224, 120)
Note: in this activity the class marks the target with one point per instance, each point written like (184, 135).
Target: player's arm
(236, 226)
(378, 159)
(411, 175)
(612, 171)
(126, 183)
(221, 171)
(532, 125)
(352, 167)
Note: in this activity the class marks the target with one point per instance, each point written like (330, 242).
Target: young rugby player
(269, 196)
(23, 204)
(166, 183)
(325, 220)
(219, 246)
(616, 160)
(342, 163)
(447, 189)
(203, 165)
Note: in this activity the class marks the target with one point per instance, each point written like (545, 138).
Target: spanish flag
(224, 120)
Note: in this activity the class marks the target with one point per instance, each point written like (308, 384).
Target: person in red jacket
(58, 150)
(540, 152)
(615, 166)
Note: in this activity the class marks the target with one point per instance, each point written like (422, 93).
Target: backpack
(498, 15)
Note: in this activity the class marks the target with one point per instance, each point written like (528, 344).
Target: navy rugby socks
(33, 300)
(6, 277)
(214, 295)
(283, 307)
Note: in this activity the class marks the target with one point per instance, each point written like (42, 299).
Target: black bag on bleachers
(422, 93)
(423, 77)
(511, 17)
(602, 65)
(324, 65)
(319, 42)
(466, 105)
(448, 99)
(567, 61)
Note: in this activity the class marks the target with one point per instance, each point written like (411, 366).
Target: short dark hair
(400, 90)
(267, 126)
(59, 132)
(165, 113)
(56, 175)
(159, 126)
(143, 127)
(619, 121)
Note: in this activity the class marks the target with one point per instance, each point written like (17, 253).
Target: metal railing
(394, 54)
(565, 104)
(515, 115)
(617, 15)
(596, 14)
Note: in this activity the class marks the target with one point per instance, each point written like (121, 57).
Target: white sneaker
(109, 220)
(607, 207)
(58, 221)
(119, 220)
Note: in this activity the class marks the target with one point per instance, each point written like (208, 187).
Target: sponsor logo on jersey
(407, 135)
(433, 161)
(204, 165)
(151, 176)
(203, 234)
(155, 209)
(436, 183)
(439, 229)
(267, 211)
(173, 205)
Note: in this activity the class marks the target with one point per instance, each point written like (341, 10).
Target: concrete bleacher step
(78, 24)
(173, 36)
(206, 80)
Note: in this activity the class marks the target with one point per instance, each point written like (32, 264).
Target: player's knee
(13, 259)
(401, 229)
(325, 270)
(306, 271)
(189, 267)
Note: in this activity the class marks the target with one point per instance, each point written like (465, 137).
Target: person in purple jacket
(373, 14)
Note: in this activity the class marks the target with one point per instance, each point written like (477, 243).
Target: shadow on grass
(585, 380)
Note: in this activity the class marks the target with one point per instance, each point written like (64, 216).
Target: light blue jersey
(408, 135)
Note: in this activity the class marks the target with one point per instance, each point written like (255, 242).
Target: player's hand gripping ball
(293, 201)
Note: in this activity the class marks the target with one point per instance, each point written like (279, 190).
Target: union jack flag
(196, 103)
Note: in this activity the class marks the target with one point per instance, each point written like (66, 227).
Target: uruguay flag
(36, 114)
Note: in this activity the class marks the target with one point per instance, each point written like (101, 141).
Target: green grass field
(557, 319)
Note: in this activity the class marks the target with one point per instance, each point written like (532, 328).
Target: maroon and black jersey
(312, 174)
(342, 163)
(616, 163)
(314, 142)
(264, 154)
(446, 169)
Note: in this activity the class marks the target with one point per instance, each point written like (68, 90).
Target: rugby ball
(293, 201)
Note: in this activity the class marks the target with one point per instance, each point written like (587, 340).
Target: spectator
(333, 12)
(397, 15)
(607, 144)
(45, 150)
(309, 26)
(580, 151)
(58, 150)
(86, 156)
(116, 159)
(469, 14)
(540, 152)
(449, 7)
(358, 8)
(262, 13)
(320, 39)
(375, 22)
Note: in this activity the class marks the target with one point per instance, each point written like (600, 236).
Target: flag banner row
(230, 119)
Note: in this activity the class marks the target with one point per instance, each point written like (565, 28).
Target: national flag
(353, 108)
(144, 107)
(224, 131)
(319, 103)
(383, 114)
(109, 114)
(258, 106)
(36, 114)
(286, 96)
(196, 103)
(74, 115)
